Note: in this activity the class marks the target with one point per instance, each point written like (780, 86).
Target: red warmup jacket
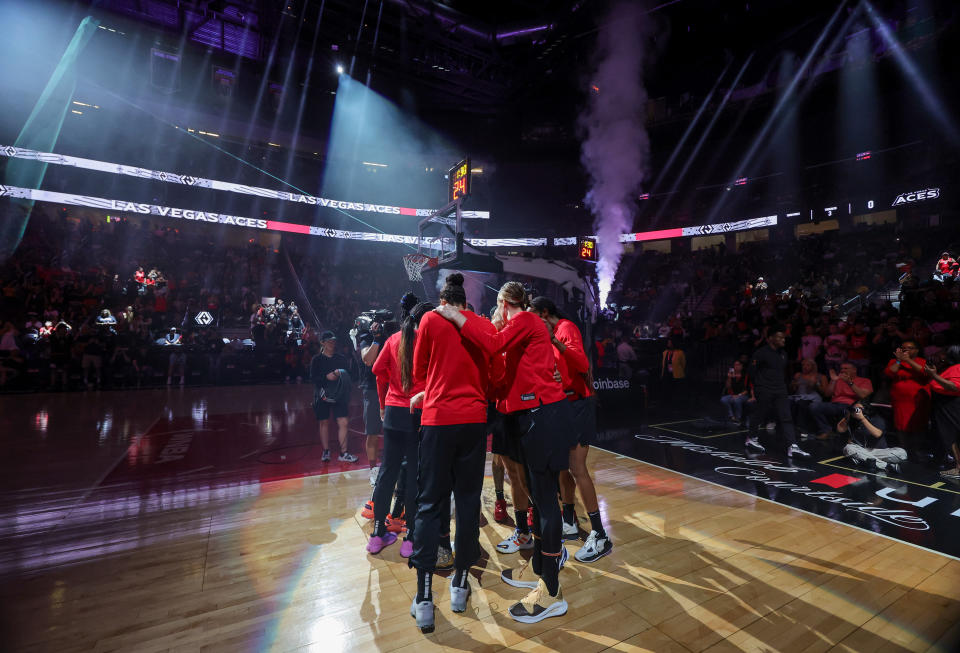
(576, 359)
(564, 372)
(529, 361)
(387, 370)
(454, 371)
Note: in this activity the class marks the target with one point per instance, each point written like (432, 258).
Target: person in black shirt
(368, 346)
(868, 442)
(331, 396)
(768, 369)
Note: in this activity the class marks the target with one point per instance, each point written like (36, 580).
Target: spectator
(92, 360)
(858, 352)
(768, 369)
(737, 392)
(945, 267)
(177, 361)
(867, 441)
(907, 393)
(945, 391)
(328, 372)
(673, 362)
(627, 358)
(836, 348)
(843, 390)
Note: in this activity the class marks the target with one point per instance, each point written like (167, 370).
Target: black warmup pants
(451, 458)
(773, 405)
(546, 435)
(397, 445)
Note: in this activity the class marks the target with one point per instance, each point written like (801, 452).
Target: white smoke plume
(615, 149)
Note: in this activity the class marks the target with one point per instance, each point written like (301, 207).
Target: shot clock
(459, 178)
(587, 248)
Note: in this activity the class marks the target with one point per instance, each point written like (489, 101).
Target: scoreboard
(587, 247)
(459, 178)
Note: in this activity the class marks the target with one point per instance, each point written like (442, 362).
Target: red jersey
(387, 370)
(576, 359)
(564, 372)
(139, 276)
(951, 374)
(453, 370)
(529, 359)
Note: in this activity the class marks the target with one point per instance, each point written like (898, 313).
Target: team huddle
(447, 380)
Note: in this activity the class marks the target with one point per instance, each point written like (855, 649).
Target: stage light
(863, 156)
(339, 69)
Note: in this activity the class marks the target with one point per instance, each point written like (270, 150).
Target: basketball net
(415, 263)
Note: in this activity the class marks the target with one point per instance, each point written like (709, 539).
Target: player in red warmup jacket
(568, 346)
(401, 427)
(453, 445)
(543, 417)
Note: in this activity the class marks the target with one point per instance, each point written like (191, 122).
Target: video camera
(376, 322)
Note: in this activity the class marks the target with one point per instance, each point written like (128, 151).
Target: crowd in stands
(883, 352)
(91, 303)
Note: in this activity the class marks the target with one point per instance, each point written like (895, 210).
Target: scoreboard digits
(459, 177)
(588, 249)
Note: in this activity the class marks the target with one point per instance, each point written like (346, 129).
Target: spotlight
(339, 69)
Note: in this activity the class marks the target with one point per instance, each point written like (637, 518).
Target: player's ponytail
(408, 335)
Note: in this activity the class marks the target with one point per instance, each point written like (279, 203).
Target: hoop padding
(415, 263)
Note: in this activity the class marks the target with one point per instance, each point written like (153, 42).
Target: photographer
(331, 395)
(368, 335)
(867, 441)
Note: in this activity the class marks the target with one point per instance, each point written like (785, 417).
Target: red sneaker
(367, 512)
(500, 511)
(530, 516)
(395, 524)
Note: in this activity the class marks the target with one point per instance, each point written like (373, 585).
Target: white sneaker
(795, 450)
(459, 596)
(347, 457)
(539, 605)
(594, 548)
(516, 542)
(753, 443)
(374, 472)
(423, 613)
(570, 531)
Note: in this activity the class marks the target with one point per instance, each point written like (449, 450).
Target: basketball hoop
(415, 263)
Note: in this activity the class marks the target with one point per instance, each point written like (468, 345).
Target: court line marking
(895, 478)
(683, 421)
(938, 485)
(700, 437)
(831, 460)
(783, 505)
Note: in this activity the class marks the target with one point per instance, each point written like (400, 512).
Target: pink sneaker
(378, 544)
(406, 549)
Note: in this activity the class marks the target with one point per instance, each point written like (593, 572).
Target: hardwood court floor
(281, 566)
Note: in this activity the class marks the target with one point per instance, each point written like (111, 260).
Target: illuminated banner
(701, 230)
(917, 196)
(201, 182)
(326, 232)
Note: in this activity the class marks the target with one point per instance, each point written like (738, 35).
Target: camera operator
(867, 440)
(331, 397)
(368, 335)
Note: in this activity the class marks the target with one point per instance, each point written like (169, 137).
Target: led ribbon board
(291, 227)
(202, 182)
